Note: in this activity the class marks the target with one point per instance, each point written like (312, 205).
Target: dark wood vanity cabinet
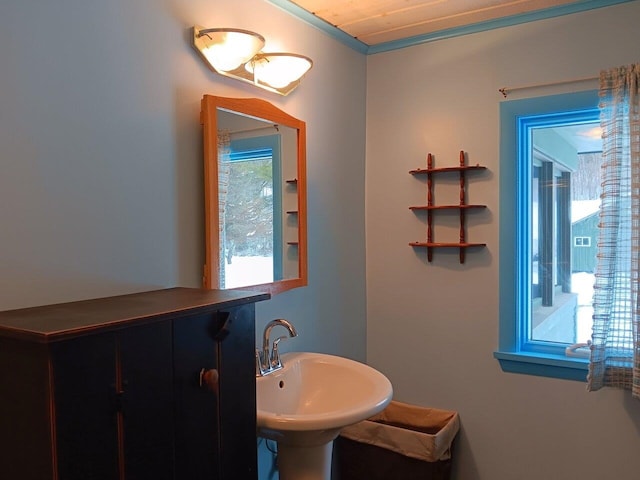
(156, 385)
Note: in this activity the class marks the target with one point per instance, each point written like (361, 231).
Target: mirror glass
(255, 196)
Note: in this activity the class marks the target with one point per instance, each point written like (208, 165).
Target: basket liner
(416, 432)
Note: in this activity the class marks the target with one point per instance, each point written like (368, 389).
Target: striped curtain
(615, 349)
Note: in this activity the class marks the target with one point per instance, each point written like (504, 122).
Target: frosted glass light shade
(278, 70)
(237, 54)
(226, 49)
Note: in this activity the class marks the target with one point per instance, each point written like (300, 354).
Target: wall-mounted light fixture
(237, 54)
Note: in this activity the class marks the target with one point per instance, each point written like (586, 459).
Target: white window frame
(584, 241)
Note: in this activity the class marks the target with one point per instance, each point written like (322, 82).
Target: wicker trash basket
(401, 442)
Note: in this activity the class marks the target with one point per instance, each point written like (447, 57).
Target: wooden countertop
(61, 321)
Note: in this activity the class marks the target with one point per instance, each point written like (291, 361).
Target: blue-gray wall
(432, 328)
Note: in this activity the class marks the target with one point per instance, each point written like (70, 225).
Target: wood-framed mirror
(255, 196)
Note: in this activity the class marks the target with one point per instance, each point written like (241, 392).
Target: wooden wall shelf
(292, 184)
(462, 207)
(445, 207)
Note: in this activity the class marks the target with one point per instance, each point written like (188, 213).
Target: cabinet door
(237, 367)
(113, 405)
(84, 377)
(197, 443)
(146, 401)
(25, 414)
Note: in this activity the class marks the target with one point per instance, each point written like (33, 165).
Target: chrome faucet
(268, 360)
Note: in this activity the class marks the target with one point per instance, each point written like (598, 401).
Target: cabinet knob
(209, 379)
(223, 330)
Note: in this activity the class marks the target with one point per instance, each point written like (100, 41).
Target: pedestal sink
(304, 406)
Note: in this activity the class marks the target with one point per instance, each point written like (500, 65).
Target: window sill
(544, 365)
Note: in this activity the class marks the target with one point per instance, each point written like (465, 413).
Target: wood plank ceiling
(379, 21)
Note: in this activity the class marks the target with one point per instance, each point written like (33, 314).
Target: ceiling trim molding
(326, 27)
(357, 45)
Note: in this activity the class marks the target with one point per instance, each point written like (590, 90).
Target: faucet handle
(262, 363)
(258, 363)
(275, 354)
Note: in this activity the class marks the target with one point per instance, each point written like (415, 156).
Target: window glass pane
(248, 235)
(565, 192)
(535, 227)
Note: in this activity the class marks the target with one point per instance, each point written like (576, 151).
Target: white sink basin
(304, 405)
(319, 394)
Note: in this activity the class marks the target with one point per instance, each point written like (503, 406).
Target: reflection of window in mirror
(250, 211)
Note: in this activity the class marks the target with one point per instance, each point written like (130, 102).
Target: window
(581, 241)
(549, 186)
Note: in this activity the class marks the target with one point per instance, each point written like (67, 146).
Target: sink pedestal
(305, 463)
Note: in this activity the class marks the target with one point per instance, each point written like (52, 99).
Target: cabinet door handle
(209, 379)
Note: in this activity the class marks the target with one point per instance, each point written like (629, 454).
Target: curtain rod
(505, 90)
